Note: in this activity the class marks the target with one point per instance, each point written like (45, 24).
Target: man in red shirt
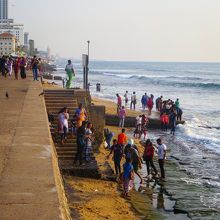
(122, 138)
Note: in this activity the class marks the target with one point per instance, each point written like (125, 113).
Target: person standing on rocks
(162, 149)
(70, 73)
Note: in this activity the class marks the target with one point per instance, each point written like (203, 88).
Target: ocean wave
(194, 132)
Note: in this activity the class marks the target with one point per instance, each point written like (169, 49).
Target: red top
(122, 138)
(149, 151)
(119, 101)
(165, 119)
(150, 103)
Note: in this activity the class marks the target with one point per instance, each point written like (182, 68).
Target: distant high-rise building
(3, 9)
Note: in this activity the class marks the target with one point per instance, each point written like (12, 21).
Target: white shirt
(161, 151)
(64, 119)
(133, 98)
(139, 120)
(69, 66)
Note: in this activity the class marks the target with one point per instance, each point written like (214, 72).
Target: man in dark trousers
(80, 142)
(162, 149)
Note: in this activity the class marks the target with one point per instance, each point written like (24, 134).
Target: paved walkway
(28, 188)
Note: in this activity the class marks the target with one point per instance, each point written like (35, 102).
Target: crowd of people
(170, 112)
(124, 149)
(10, 66)
(79, 126)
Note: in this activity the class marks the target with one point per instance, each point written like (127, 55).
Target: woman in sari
(81, 115)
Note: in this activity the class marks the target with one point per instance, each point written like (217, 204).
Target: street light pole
(88, 42)
(87, 69)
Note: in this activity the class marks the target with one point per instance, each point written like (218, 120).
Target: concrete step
(61, 104)
(67, 145)
(57, 100)
(49, 91)
(69, 157)
(65, 148)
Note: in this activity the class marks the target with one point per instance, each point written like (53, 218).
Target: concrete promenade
(30, 185)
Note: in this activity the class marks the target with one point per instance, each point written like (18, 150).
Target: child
(128, 176)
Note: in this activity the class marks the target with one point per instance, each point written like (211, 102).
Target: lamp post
(88, 42)
(87, 69)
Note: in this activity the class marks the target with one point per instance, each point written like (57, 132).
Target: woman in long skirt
(23, 68)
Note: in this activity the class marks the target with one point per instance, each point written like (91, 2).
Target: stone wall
(112, 120)
(97, 115)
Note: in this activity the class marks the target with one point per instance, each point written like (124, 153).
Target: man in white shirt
(162, 149)
(133, 100)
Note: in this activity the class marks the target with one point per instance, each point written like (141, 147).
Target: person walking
(70, 73)
(16, 66)
(34, 66)
(63, 124)
(23, 68)
(117, 151)
(128, 176)
(80, 140)
(121, 116)
(148, 156)
(10, 66)
(162, 149)
(122, 138)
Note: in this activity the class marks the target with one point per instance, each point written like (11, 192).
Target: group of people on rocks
(133, 160)
(170, 112)
(79, 126)
(9, 64)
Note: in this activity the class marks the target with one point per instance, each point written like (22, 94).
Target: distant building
(31, 48)
(8, 25)
(7, 44)
(15, 29)
(26, 40)
(3, 9)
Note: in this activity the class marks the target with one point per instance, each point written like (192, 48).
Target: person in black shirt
(117, 151)
(80, 136)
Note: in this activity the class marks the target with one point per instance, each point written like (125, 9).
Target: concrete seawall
(130, 121)
(30, 182)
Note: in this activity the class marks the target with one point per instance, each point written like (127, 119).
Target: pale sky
(139, 30)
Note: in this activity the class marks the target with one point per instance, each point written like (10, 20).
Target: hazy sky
(146, 30)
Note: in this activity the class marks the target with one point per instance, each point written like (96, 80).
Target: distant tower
(48, 52)
(3, 9)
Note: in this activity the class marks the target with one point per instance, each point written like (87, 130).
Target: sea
(195, 148)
